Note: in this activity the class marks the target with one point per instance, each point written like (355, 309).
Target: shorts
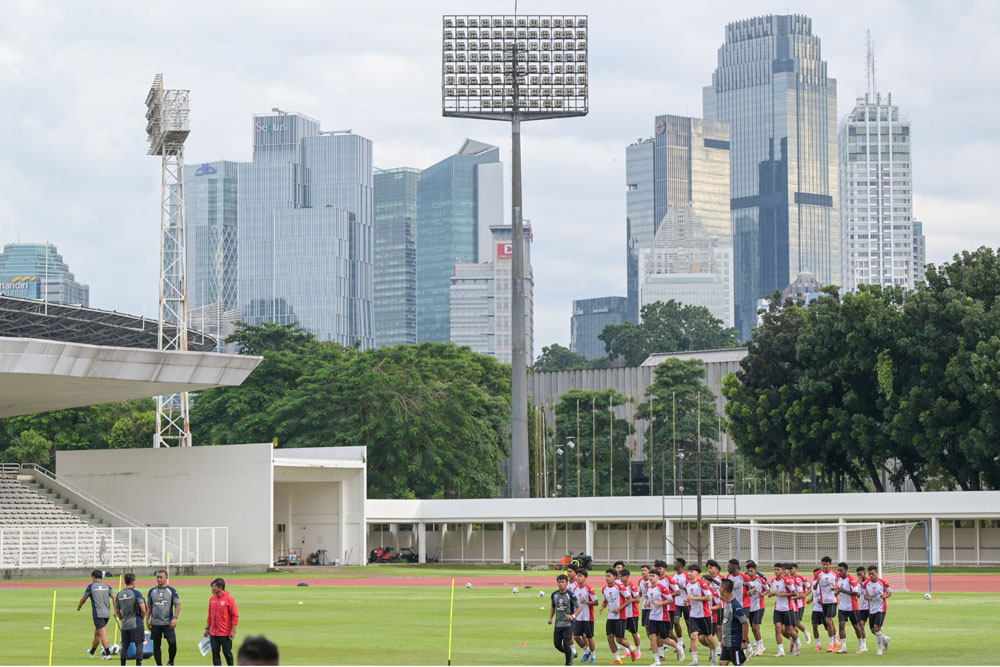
(645, 617)
(862, 616)
(583, 629)
(830, 609)
(876, 618)
(783, 617)
(756, 617)
(798, 614)
(734, 654)
(615, 627)
(100, 623)
(632, 625)
(703, 626)
(659, 628)
(685, 610)
(844, 615)
(818, 618)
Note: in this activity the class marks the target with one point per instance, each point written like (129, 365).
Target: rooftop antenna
(870, 63)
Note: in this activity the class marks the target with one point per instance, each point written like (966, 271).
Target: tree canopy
(666, 327)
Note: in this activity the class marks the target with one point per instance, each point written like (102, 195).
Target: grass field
(408, 625)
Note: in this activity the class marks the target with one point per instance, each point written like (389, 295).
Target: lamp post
(515, 68)
(565, 451)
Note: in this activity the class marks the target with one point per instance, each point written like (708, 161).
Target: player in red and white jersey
(847, 589)
(782, 588)
(876, 592)
(715, 578)
(615, 600)
(756, 586)
(818, 618)
(643, 602)
(659, 598)
(717, 604)
(861, 577)
(802, 590)
(823, 586)
(683, 609)
(632, 610)
(571, 589)
(699, 597)
(583, 626)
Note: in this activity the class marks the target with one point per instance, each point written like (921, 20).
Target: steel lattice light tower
(515, 68)
(167, 126)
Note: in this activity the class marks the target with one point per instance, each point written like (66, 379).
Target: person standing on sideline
(564, 607)
(102, 598)
(735, 627)
(131, 609)
(223, 617)
(162, 611)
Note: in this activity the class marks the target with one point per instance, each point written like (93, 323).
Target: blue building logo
(205, 169)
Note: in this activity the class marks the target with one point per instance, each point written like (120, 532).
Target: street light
(515, 68)
(570, 445)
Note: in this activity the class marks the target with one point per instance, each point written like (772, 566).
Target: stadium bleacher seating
(40, 527)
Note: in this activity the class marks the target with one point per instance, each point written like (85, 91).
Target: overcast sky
(73, 80)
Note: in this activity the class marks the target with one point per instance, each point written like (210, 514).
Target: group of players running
(714, 606)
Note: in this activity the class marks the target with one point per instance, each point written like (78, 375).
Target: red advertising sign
(504, 250)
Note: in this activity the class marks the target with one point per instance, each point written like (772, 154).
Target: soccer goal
(857, 544)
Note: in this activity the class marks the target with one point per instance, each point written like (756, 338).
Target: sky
(74, 76)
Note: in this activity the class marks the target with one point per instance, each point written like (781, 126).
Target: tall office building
(305, 229)
(771, 86)
(919, 252)
(480, 299)
(458, 200)
(395, 273)
(876, 195)
(37, 271)
(589, 318)
(684, 164)
(686, 265)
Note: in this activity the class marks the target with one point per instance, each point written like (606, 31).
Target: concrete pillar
(935, 541)
(444, 534)
(589, 538)
(421, 542)
(670, 552)
(506, 542)
(842, 539)
(754, 541)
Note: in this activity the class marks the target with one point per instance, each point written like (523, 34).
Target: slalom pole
(451, 616)
(52, 625)
(927, 543)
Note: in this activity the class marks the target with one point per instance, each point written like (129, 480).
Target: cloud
(73, 168)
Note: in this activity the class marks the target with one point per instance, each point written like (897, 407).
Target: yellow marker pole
(52, 626)
(451, 616)
(121, 583)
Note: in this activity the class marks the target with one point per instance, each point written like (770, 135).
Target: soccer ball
(468, 585)
(927, 596)
(541, 594)
(115, 649)
(514, 591)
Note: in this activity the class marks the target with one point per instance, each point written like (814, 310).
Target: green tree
(133, 431)
(597, 426)
(31, 447)
(681, 406)
(555, 357)
(666, 327)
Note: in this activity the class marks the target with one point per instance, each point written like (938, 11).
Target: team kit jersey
(127, 603)
(161, 602)
(615, 595)
(877, 590)
(99, 594)
(847, 602)
(753, 591)
(699, 608)
(680, 581)
(585, 594)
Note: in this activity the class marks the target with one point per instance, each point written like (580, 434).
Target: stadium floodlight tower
(515, 68)
(167, 126)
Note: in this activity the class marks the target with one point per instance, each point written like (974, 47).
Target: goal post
(858, 544)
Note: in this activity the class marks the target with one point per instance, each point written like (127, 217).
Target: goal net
(857, 544)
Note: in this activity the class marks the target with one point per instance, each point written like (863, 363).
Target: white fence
(84, 546)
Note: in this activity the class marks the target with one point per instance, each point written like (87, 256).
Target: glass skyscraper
(771, 86)
(480, 299)
(305, 245)
(684, 164)
(395, 273)
(919, 252)
(458, 200)
(211, 209)
(37, 271)
(589, 318)
(876, 196)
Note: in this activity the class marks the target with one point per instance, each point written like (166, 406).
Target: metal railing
(9, 469)
(88, 499)
(65, 547)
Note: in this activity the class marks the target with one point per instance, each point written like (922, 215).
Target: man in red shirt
(223, 617)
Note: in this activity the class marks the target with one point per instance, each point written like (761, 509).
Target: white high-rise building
(480, 299)
(876, 196)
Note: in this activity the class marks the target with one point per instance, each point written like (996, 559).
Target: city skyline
(573, 169)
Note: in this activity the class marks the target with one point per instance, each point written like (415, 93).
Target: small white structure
(273, 501)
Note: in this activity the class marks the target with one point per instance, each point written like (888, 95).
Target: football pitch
(407, 624)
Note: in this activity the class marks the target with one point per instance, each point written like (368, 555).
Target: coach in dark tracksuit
(131, 609)
(163, 607)
(564, 606)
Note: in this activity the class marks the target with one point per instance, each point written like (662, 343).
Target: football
(115, 649)
(927, 596)
(514, 590)
(468, 585)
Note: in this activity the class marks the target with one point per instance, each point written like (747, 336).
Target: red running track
(950, 583)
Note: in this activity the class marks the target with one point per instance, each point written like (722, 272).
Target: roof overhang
(42, 375)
